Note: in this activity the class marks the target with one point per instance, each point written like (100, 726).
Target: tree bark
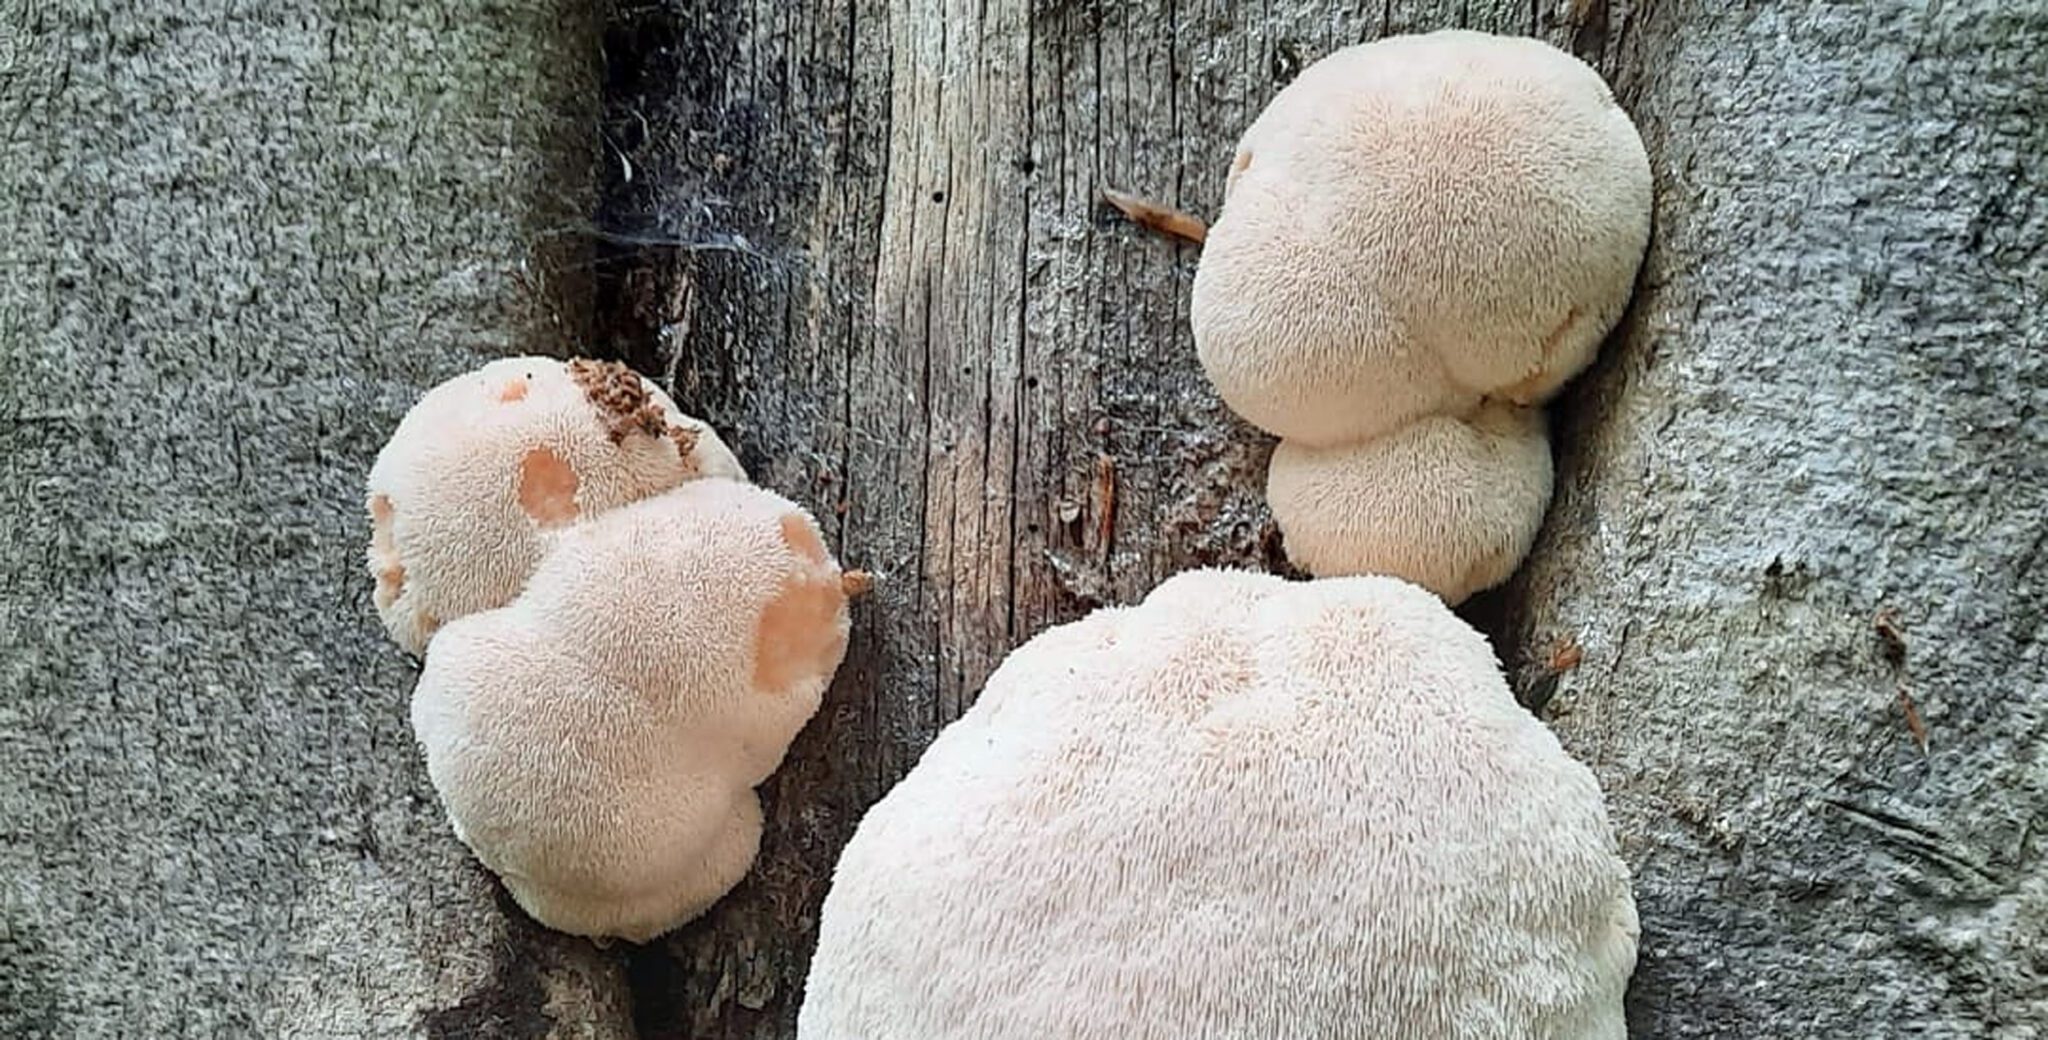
(866, 240)
(1829, 407)
(238, 241)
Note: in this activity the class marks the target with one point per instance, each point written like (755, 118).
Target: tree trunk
(1828, 407)
(865, 240)
(238, 241)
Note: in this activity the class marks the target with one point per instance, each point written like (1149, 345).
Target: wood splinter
(1157, 217)
(1105, 498)
(1914, 724)
(1565, 655)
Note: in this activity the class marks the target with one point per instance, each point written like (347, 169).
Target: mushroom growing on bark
(1245, 807)
(1414, 227)
(1451, 504)
(1416, 223)
(597, 741)
(488, 465)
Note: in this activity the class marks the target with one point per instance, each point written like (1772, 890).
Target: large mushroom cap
(1449, 504)
(1415, 223)
(597, 742)
(1244, 808)
(487, 465)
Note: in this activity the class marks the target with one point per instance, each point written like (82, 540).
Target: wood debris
(1565, 655)
(1914, 724)
(1105, 498)
(1158, 217)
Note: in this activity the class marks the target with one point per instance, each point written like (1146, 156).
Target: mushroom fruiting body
(1246, 807)
(1415, 232)
(1450, 504)
(1416, 223)
(597, 742)
(482, 471)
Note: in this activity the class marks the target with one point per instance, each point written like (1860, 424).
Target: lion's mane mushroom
(1413, 224)
(481, 471)
(597, 742)
(1451, 504)
(1414, 230)
(1246, 807)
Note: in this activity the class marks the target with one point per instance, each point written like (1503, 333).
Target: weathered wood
(236, 242)
(867, 240)
(888, 271)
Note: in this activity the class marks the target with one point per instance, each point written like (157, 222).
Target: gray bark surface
(866, 241)
(237, 241)
(1830, 403)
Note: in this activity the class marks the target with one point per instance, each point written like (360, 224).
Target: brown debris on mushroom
(684, 438)
(621, 396)
(488, 465)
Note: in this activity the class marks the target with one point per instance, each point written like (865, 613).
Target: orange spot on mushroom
(803, 541)
(384, 552)
(800, 637)
(390, 585)
(381, 513)
(1239, 163)
(547, 488)
(513, 391)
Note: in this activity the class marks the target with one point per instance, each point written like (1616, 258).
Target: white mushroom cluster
(1247, 807)
(1422, 239)
(622, 635)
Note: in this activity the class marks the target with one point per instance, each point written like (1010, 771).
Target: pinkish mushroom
(597, 741)
(1414, 224)
(487, 465)
(1244, 808)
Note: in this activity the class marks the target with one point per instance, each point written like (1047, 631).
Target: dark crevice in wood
(692, 289)
(651, 974)
(639, 49)
(1503, 614)
(748, 128)
(512, 1002)
(682, 210)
